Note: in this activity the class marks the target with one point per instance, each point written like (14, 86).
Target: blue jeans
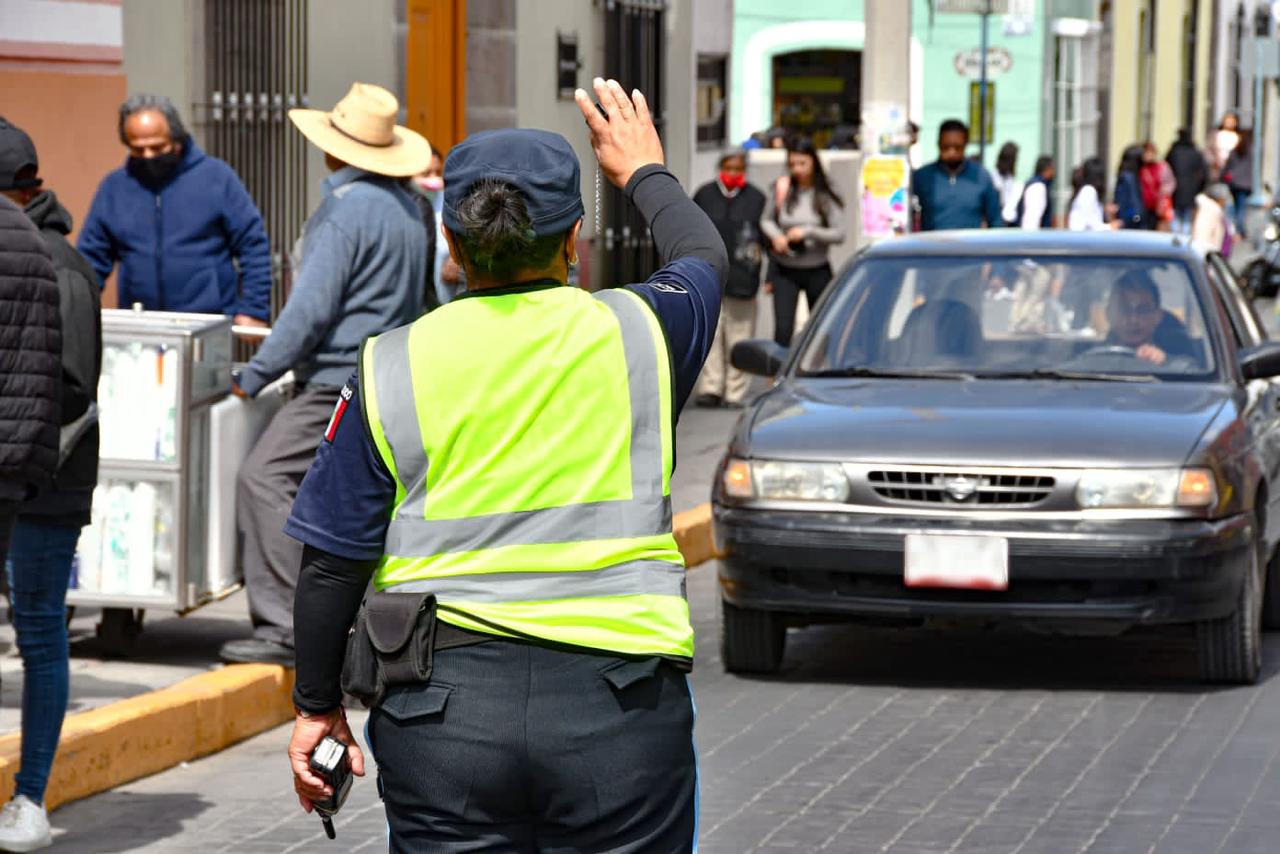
(38, 567)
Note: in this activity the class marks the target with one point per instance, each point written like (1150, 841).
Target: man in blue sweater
(364, 259)
(953, 191)
(178, 222)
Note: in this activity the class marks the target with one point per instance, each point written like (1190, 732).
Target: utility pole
(887, 53)
(886, 102)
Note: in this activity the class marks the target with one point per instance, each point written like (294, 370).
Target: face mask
(429, 183)
(155, 170)
(733, 182)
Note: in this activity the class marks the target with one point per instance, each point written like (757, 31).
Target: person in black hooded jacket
(1191, 173)
(48, 526)
(30, 349)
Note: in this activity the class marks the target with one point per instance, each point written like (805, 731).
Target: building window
(712, 101)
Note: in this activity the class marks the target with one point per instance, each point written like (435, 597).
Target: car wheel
(1231, 647)
(751, 641)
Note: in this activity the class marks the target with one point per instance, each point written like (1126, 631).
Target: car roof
(1014, 241)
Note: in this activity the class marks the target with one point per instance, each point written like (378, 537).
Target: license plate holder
(956, 561)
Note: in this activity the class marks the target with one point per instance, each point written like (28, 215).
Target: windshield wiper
(1058, 374)
(892, 373)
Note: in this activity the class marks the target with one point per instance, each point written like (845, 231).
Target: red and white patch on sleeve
(344, 399)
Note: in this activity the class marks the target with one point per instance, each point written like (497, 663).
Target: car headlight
(1191, 487)
(1270, 233)
(787, 481)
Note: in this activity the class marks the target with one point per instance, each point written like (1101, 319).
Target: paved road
(868, 740)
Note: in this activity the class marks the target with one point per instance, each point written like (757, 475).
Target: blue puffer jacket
(175, 242)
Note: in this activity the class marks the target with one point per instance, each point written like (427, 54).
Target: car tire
(1231, 647)
(1271, 595)
(751, 641)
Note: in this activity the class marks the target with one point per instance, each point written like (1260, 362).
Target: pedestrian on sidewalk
(364, 262)
(1190, 174)
(1222, 142)
(1035, 208)
(446, 277)
(1008, 186)
(803, 218)
(1089, 185)
(30, 364)
(1158, 184)
(1131, 212)
(1238, 176)
(514, 510)
(179, 223)
(1211, 228)
(48, 526)
(954, 192)
(735, 207)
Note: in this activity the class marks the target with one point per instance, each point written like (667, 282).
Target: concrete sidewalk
(170, 649)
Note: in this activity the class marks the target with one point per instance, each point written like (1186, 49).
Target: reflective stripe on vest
(604, 573)
(635, 577)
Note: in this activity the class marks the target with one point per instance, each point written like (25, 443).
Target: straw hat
(362, 131)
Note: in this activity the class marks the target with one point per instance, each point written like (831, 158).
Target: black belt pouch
(391, 643)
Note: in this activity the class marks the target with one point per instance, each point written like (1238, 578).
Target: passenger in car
(1137, 321)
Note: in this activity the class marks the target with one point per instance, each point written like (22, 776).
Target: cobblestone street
(870, 740)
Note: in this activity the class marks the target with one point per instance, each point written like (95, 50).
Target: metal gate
(256, 54)
(635, 52)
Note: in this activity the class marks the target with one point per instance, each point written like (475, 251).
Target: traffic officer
(511, 453)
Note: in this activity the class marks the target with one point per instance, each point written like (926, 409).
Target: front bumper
(1130, 571)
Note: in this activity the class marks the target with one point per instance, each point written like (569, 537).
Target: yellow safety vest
(530, 438)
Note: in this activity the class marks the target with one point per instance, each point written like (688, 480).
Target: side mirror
(1258, 363)
(759, 356)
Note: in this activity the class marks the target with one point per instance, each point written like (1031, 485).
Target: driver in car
(1138, 322)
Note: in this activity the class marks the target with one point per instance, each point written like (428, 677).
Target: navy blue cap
(17, 153)
(540, 164)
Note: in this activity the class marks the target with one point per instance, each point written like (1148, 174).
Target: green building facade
(799, 64)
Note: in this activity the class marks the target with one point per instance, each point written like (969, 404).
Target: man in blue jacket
(180, 224)
(953, 191)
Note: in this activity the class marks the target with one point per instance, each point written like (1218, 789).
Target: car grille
(969, 488)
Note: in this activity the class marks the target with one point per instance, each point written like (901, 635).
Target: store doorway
(818, 93)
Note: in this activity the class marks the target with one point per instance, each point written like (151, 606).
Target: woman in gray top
(803, 216)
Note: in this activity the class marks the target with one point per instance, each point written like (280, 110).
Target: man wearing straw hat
(364, 256)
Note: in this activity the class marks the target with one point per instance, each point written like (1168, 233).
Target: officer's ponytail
(497, 236)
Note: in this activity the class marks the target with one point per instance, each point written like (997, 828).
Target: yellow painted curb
(103, 748)
(123, 741)
(693, 535)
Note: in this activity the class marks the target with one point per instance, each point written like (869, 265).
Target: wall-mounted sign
(989, 7)
(968, 63)
(884, 196)
(977, 114)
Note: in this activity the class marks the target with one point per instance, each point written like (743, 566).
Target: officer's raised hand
(627, 139)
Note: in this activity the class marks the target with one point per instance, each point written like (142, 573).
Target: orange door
(435, 73)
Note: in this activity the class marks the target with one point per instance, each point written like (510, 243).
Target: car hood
(990, 422)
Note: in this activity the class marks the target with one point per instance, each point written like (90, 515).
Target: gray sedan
(1074, 432)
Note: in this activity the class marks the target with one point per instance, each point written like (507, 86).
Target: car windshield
(1079, 317)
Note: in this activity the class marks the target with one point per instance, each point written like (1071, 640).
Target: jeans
(1182, 221)
(38, 568)
(1241, 199)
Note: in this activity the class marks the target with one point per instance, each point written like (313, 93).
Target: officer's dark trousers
(265, 488)
(518, 748)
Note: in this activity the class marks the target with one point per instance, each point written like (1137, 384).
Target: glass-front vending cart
(148, 543)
